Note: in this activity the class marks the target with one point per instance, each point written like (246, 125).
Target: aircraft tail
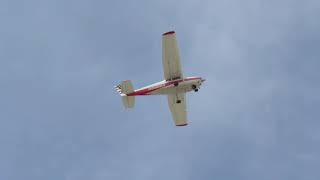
(123, 89)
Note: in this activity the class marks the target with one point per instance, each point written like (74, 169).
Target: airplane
(174, 85)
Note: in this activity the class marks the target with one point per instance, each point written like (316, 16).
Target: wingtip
(182, 124)
(168, 33)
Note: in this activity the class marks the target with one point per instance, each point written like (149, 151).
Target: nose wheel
(194, 87)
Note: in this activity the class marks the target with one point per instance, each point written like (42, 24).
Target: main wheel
(196, 90)
(178, 101)
(194, 86)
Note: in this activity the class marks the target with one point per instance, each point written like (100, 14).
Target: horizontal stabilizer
(128, 101)
(123, 89)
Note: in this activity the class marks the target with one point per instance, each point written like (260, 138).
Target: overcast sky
(256, 117)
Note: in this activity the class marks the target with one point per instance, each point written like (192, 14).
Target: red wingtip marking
(167, 33)
(182, 124)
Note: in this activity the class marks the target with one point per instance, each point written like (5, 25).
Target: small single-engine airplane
(175, 86)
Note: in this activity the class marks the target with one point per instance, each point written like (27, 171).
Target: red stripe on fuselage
(148, 90)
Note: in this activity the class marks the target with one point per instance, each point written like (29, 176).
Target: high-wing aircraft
(174, 85)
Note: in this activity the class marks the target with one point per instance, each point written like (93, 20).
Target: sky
(255, 117)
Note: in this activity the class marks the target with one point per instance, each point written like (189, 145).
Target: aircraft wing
(170, 56)
(178, 110)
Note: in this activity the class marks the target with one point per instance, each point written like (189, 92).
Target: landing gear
(176, 84)
(178, 100)
(194, 87)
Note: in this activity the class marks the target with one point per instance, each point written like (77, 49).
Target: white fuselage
(170, 87)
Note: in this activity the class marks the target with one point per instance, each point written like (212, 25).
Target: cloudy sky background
(256, 117)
